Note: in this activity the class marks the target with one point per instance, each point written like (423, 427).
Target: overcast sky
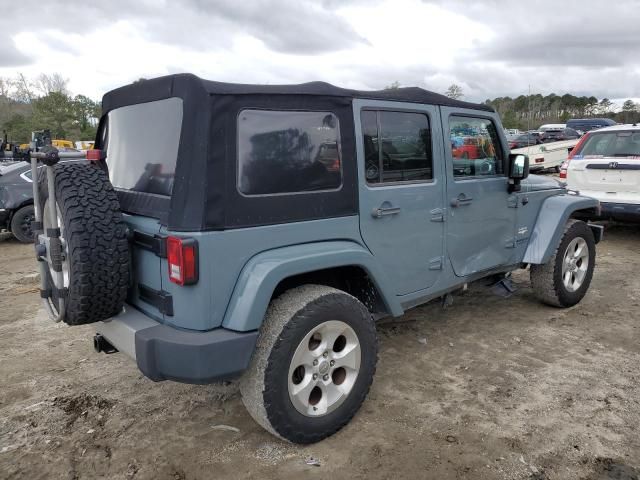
(489, 47)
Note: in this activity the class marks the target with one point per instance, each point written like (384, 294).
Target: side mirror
(518, 170)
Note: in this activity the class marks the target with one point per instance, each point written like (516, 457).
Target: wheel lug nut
(315, 376)
(325, 354)
(332, 363)
(315, 363)
(325, 378)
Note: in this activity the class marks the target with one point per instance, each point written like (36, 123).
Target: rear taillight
(563, 173)
(95, 155)
(182, 257)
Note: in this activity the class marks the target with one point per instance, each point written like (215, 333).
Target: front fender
(552, 218)
(262, 273)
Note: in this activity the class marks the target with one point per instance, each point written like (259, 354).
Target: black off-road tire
(21, 224)
(96, 240)
(290, 317)
(546, 279)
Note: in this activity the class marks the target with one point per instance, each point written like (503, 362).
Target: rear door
(607, 167)
(480, 223)
(401, 190)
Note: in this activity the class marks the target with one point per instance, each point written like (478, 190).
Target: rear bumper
(166, 353)
(629, 212)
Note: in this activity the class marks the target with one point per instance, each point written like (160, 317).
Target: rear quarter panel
(222, 256)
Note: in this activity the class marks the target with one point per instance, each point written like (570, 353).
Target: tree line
(530, 111)
(527, 112)
(42, 103)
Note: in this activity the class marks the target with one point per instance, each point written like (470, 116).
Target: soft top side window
(281, 152)
(397, 147)
(475, 147)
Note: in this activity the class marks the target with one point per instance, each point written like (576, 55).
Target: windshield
(612, 144)
(142, 145)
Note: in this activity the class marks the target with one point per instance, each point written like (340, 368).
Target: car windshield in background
(142, 145)
(611, 144)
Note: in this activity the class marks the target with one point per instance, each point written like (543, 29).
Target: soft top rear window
(142, 145)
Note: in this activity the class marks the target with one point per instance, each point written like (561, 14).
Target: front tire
(564, 280)
(313, 364)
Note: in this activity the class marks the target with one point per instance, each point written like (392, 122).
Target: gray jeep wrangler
(258, 231)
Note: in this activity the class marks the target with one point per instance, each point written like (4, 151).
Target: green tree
(86, 113)
(629, 111)
(55, 112)
(394, 86)
(454, 91)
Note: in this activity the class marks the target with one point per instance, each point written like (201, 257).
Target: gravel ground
(489, 388)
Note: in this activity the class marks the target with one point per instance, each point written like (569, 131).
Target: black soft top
(205, 195)
(127, 95)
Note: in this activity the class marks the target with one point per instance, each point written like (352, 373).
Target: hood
(535, 183)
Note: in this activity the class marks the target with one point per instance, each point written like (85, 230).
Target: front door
(481, 213)
(400, 162)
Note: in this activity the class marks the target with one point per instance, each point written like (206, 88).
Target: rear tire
(96, 245)
(564, 280)
(21, 224)
(308, 324)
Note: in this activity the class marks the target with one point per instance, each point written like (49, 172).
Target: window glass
(475, 147)
(142, 145)
(288, 152)
(611, 144)
(397, 147)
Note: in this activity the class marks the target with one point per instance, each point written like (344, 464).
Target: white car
(606, 165)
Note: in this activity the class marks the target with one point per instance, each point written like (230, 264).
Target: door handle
(461, 200)
(385, 211)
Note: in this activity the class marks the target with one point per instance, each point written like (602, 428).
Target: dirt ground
(489, 388)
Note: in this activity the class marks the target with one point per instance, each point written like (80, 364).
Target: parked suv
(559, 135)
(586, 124)
(606, 165)
(258, 231)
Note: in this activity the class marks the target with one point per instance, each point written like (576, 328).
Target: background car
(606, 165)
(525, 140)
(559, 135)
(586, 124)
(16, 201)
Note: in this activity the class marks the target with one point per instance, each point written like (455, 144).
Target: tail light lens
(563, 169)
(96, 155)
(182, 257)
(565, 165)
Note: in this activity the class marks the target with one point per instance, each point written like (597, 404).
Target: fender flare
(263, 272)
(554, 213)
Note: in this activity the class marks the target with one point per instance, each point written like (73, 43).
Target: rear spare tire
(94, 238)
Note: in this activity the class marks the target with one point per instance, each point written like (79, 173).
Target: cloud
(489, 47)
(10, 56)
(287, 26)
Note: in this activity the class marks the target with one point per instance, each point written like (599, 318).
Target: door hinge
(160, 299)
(437, 215)
(154, 243)
(436, 263)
